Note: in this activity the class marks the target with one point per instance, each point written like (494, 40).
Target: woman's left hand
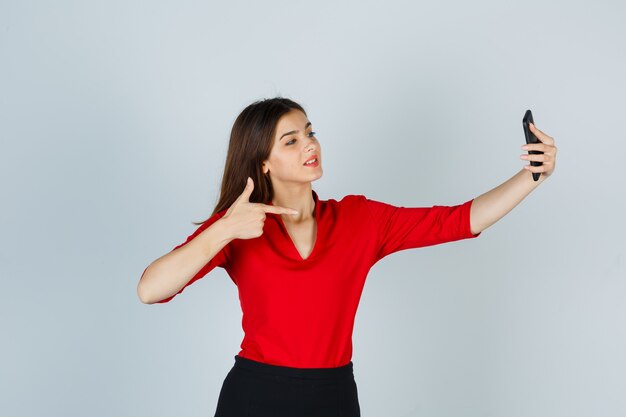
(548, 159)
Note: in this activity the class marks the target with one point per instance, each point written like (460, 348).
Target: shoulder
(355, 205)
(215, 217)
(208, 222)
(347, 200)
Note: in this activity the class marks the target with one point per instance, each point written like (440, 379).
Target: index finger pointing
(278, 209)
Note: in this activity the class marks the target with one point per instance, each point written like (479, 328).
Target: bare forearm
(168, 274)
(491, 206)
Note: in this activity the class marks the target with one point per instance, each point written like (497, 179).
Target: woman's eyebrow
(294, 131)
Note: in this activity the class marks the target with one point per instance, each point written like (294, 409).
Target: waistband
(309, 373)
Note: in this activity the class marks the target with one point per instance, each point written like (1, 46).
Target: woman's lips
(314, 164)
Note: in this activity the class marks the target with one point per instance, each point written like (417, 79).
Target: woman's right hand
(246, 219)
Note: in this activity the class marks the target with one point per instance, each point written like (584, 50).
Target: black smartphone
(531, 138)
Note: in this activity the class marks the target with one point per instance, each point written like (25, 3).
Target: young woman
(300, 262)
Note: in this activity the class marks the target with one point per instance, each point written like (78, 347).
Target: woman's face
(294, 143)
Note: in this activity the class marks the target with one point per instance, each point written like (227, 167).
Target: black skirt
(256, 389)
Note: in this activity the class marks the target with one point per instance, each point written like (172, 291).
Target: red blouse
(300, 312)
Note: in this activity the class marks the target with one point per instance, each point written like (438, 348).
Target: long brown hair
(251, 141)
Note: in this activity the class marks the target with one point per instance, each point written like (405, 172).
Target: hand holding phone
(531, 138)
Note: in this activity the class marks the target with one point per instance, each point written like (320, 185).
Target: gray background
(114, 123)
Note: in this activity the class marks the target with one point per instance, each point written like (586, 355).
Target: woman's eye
(310, 134)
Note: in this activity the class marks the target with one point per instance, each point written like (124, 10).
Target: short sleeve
(220, 259)
(398, 228)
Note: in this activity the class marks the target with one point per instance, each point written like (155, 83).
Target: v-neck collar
(292, 245)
